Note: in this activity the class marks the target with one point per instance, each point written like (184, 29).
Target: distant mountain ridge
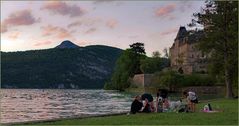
(66, 66)
(67, 44)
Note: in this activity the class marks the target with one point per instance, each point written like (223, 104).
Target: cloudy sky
(28, 25)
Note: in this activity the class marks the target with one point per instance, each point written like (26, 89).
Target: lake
(20, 105)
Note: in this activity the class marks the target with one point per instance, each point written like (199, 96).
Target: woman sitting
(147, 107)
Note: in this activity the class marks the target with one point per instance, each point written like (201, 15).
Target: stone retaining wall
(142, 80)
(205, 89)
(145, 81)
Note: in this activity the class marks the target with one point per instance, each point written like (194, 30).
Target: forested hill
(82, 67)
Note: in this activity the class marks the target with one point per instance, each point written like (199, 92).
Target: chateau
(184, 55)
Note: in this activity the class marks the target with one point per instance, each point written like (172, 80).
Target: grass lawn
(229, 116)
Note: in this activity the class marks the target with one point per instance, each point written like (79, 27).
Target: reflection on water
(19, 105)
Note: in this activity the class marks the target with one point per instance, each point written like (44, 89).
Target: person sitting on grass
(191, 100)
(146, 108)
(136, 105)
(150, 100)
(162, 100)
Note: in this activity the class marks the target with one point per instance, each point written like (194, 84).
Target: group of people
(145, 103)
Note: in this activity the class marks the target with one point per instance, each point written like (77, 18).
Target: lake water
(20, 105)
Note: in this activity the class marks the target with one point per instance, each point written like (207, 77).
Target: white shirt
(191, 96)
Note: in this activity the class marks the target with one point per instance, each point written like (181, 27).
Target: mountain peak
(67, 44)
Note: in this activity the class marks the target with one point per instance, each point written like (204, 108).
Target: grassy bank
(228, 116)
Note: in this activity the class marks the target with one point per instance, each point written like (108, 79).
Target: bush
(167, 79)
(197, 80)
(172, 80)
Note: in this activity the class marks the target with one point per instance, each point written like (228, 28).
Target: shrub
(167, 79)
(197, 80)
(172, 80)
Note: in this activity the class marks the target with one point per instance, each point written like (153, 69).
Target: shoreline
(83, 116)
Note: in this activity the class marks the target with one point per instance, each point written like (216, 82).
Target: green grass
(229, 116)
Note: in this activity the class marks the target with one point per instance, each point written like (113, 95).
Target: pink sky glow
(30, 25)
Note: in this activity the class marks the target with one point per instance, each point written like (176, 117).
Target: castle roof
(193, 35)
(182, 32)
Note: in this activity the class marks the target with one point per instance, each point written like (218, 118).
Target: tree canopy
(220, 22)
(127, 65)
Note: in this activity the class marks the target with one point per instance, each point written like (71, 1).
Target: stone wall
(145, 81)
(142, 80)
(138, 80)
(205, 89)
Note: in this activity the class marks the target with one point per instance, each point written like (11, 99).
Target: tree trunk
(228, 73)
(229, 93)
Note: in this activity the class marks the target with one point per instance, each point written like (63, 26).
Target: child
(191, 99)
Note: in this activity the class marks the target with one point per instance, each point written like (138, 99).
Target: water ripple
(19, 105)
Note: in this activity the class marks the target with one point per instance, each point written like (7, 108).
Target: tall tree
(220, 21)
(127, 65)
(138, 52)
(138, 48)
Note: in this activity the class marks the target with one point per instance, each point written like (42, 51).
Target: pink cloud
(91, 30)
(165, 11)
(102, 1)
(14, 35)
(55, 30)
(63, 33)
(85, 22)
(74, 24)
(49, 30)
(59, 7)
(3, 28)
(43, 43)
(170, 31)
(112, 23)
(18, 18)
(83, 42)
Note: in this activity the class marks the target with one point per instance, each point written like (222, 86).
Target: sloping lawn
(229, 116)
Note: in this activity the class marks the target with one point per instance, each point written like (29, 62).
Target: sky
(32, 25)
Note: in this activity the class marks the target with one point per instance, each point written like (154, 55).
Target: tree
(166, 54)
(220, 21)
(167, 79)
(150, 65)
(153, 64)
(138, 53)
(127, 65)
(138, 48)
(156, 54)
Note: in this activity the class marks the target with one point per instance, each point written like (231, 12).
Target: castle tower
(184, 56)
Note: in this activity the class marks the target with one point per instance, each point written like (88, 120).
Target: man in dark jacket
(137, 105)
